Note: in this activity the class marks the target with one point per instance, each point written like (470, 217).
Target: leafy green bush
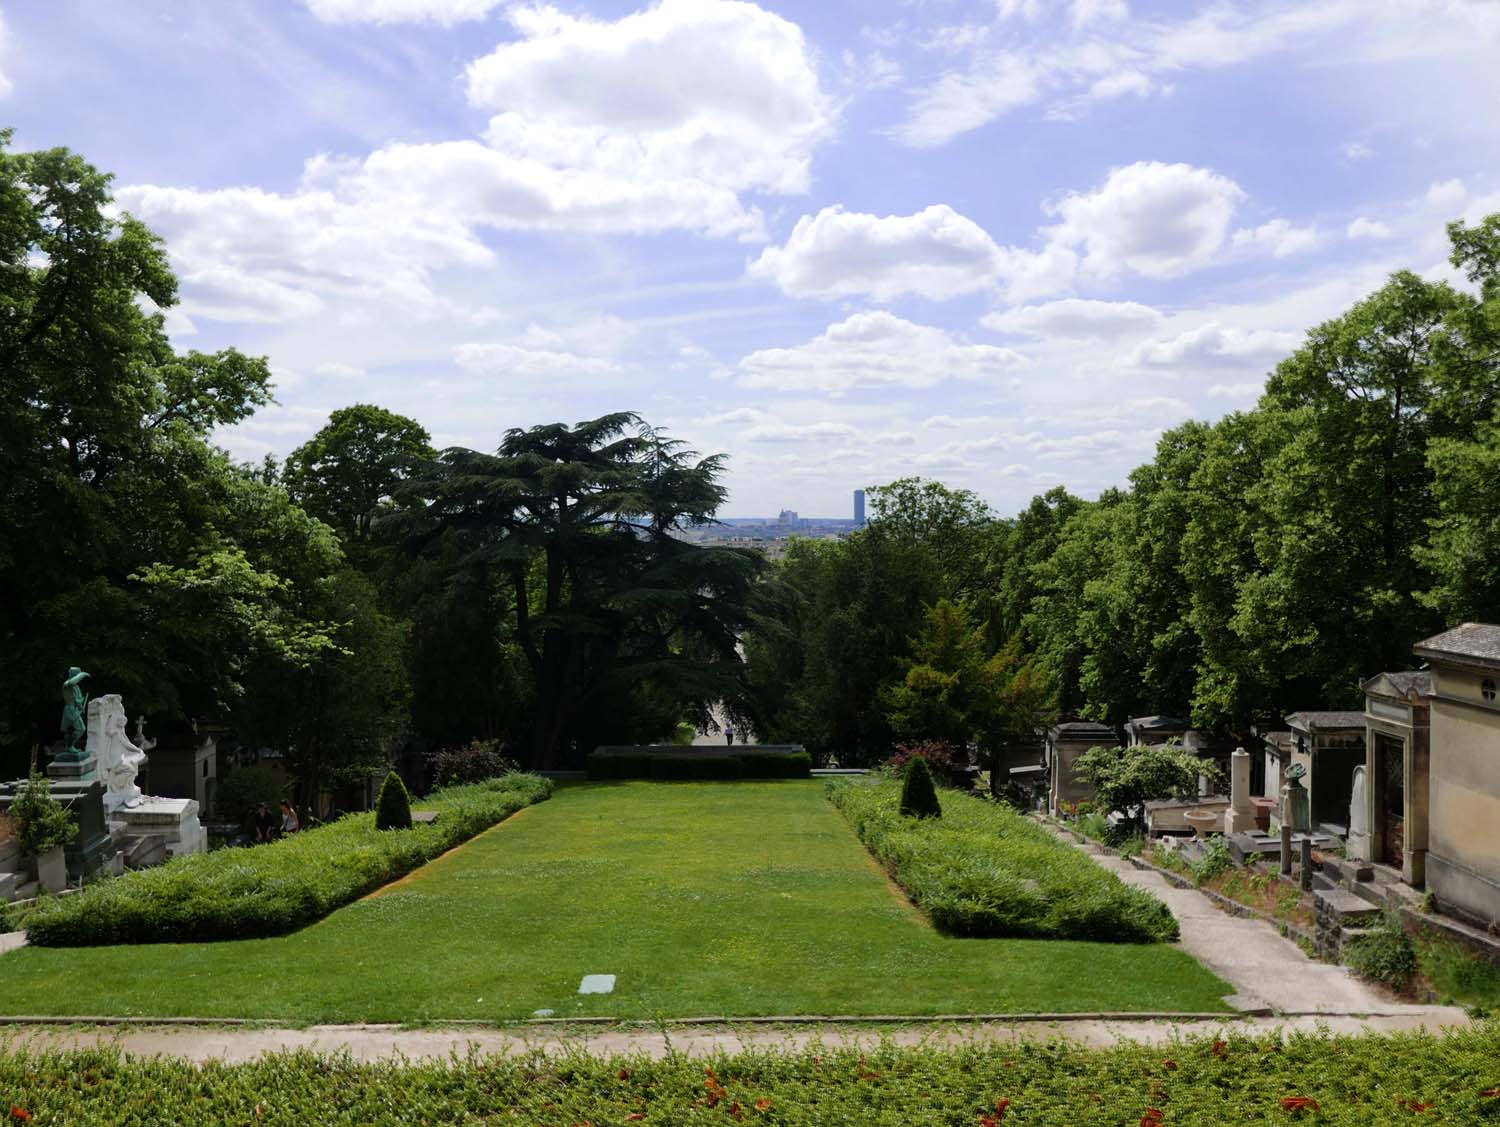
(671, 764)
(275, 888)
(984, 870)
(1126, 778)
(38, 821)
(243, 790)
(1209, 1081)
(1386, 955)
(1216, 860)
(393, 807)
(473, 763)
(918, 792)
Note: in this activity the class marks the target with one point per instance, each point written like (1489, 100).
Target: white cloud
(1076, 318)
(1365, 228)
(1216, 345)
(798, 432)
(936, 253)
(1449, 194)
(445, 12)
(1243, 392)
(1358, 150)
(1278, 236)
(6, 86)
(687, 90)
(875, 350)
(1087, 12)
(1090, 49)
(1158, 220)
(528, 363)
(655, 122)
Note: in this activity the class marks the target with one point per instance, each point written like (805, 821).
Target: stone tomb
(92, 851)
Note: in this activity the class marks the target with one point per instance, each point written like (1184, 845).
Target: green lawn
(745, 898)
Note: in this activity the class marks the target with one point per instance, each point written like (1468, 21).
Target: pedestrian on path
(729, 732)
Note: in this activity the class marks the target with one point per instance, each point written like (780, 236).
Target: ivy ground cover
(1335, 1082)
(983, 869)
(743, 898)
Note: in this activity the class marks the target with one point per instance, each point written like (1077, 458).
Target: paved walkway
(1266, 969)
(376, 1042)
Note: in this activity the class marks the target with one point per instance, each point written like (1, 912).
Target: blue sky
(1004, 243)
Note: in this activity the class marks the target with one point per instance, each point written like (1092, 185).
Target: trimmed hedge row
(669, 766)
(984, 870)
(1258, 1081)
(278, 887)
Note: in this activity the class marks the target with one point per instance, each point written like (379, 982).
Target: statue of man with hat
(75, 700)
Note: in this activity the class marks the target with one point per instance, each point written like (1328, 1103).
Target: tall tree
(615, 615)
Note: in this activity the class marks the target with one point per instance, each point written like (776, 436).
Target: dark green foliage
(473, 763)
(241, 791)
(393, 807)
(40, 822)
(985, 870)
(1385, 955)
(276, 888)
(918, 792)
(675, 763)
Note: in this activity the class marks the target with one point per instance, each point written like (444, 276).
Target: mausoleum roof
(1326, 721)
(1475, 644)
(1156, 723)
(1404, 685)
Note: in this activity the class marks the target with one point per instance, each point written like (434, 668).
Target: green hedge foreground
(984, 870)
(714, 764)
(1306, 1079)
(276, 888)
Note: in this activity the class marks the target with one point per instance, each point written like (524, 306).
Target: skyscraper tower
(859, 508)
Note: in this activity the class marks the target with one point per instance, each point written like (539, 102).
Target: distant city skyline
(1000, 243)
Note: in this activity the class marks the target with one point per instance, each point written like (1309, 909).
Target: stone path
(1266, 969)
(377, 1042)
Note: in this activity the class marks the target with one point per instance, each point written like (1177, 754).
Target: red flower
(762, 1105)
(1152, 1118)
(1001, 1106)
(1169, 1065)
(20, 1113)
(1300, 1103)
(1219, 1047)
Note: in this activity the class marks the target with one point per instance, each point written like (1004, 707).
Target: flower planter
(1202, 821)
(52, 870)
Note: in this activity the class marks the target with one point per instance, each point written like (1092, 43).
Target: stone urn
(1202, 821)
(52, 870)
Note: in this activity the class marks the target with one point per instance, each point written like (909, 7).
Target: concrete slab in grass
(597, 984)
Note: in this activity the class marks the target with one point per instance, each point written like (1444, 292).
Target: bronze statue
(75, 700)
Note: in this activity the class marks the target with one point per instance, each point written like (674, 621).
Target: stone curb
(644, 1023)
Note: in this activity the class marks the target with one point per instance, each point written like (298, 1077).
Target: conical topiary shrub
(393, 807)
(918, 794)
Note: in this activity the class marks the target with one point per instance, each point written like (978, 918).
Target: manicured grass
(737, 898)
(1338, 1081)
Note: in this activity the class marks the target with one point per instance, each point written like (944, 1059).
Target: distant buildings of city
(772, 534)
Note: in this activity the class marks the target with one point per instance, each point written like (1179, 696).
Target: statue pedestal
(174, 819)
(66, 769)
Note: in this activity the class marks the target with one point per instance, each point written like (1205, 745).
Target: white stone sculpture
(1359, 816)
(120, 761)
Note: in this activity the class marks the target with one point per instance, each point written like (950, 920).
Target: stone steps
(9, 882)
(144, 851)
(1340, 915)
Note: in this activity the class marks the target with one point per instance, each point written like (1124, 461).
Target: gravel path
(1266, 969)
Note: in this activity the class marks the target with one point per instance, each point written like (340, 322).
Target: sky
(1000, 243)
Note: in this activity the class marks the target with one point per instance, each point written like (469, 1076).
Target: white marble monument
(137, 815)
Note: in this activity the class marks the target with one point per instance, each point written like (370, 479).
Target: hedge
(984, 870)
(274, 888)
(670, 765)
(1247, 1081)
